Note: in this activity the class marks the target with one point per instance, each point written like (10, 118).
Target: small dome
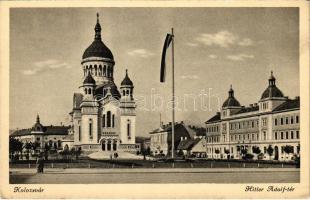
(272, 90)
(231, 101)
(89, 80)
(97, 47)
(127, 80)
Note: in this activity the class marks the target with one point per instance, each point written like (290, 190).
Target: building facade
(161, 140)
(268, 129)
(103, 117)
(46, 137)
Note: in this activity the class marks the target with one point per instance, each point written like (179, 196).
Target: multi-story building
(271, 125)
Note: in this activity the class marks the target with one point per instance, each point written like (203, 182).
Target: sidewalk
(148, 170)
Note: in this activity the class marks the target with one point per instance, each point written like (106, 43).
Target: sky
(214, 48)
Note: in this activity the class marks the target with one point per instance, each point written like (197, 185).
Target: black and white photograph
(156, 95)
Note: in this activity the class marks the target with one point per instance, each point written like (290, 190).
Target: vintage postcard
(154, 99)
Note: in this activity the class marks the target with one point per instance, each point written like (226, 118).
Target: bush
(260, 156)
(248, 156)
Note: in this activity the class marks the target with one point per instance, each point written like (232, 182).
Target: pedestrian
(40, 163)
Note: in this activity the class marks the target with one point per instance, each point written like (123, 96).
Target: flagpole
(172, 127)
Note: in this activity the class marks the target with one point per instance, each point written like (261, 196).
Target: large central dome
(97, 47)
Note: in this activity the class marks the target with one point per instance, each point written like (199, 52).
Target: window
(109, 119)
(257, 136)
(286, 135)
(282, 137)
(297, 134)
(292, 120)
(265, 150)
(113, 123)
(128, 130)
(80, 132)
(89, 91)
(297, 119)
(90, 129)
(292, 134)
(286, 120)
(265, 137)
(281, 121)
(275, 122)
(252, 124)
(103, 121)
(275, 135)
(282, 149)
(253, 137)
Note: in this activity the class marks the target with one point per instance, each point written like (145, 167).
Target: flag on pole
(163, 57)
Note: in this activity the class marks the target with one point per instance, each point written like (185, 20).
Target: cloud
(143, 53)
(245, 42)
(223, 39)
(212, 56)
(42, 66)
(240, 57)
(191, 44)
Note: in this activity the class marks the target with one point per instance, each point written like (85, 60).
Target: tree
(288, 149)
(15, 146)
(270, 151)
(28, 147)
(226, 151)
(244, 152)
(256, 150)
(180, 153)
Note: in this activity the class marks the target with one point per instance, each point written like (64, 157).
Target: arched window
(89, 91)
(91, 69)
(95, 70)
(123, 92)
(127, 92)
(104, 70)
(100, 70)
(103, 121)
(90, 129)
(109, 119)
(113, 122)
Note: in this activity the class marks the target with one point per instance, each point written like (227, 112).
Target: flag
(163, 57)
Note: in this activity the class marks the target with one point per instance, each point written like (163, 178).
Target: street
(157, 176)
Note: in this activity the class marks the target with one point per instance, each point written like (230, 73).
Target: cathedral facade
(103, 117)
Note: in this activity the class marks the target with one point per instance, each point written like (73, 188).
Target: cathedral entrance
(109, 146)
(103, 144)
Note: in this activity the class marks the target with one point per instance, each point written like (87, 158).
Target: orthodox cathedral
(103, 117)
